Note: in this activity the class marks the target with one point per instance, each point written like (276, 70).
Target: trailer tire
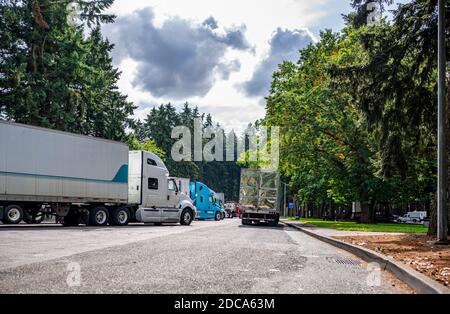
(120, 216)
(29, 218)
(71, 220)
(274, 223)
(246, 222)
(186, 217)
(98, 216)
(12, 215)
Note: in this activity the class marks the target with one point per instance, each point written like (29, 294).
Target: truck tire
(98, 216)
(246, 222)
(71, 220)
(186, 217)
(29, 218)
(13, 214)
(274, 223)
(218, 216)
(119, 216)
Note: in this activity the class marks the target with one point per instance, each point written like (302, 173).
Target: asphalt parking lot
(206, 257)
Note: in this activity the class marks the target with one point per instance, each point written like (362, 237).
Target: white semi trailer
(84, 180)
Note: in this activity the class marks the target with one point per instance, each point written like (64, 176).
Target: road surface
(206, 257)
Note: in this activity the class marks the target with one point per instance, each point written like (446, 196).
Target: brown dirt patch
(417, 251)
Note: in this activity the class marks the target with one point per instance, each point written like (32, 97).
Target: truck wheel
(218, 216)
(71, 220)
(98, 216)
(274, 223)
(13, 214)
(120, 216)
(29, 218)
(186, 217)
(246, 222)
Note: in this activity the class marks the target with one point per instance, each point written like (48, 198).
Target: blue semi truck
(208, 206)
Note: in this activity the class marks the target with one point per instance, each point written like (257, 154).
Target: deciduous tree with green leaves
(324, 144)
(395, 86)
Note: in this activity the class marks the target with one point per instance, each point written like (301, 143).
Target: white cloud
(228, 105)
(284, 46)
(179, 59)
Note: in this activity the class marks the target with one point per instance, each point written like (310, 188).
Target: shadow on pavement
(49, 226)
(280, 227)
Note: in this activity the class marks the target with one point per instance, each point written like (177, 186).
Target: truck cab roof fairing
(151, 159)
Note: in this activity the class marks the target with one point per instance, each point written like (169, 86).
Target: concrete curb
(419, 282)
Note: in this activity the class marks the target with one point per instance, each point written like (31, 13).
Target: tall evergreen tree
(158, 125)
(51, 75)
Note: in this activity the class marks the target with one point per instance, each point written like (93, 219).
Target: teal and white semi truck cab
(208, 207)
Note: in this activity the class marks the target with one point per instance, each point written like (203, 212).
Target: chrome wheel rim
(100, 217)
(187, 217)
(122, 216)
(14, 214)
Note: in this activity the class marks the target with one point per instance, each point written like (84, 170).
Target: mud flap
(1, 213)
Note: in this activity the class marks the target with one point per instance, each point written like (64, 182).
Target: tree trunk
(367, 212)
(432, 229)
(367, 209)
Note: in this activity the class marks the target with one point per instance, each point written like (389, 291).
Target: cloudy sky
(217, 54)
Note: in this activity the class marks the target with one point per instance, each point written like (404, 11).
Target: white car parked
(412, 217)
